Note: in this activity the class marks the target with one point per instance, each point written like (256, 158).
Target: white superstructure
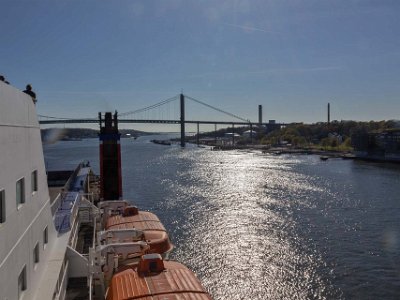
(30, 261)
(39, 238)
(48, 244)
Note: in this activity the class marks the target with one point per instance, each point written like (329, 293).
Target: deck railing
(90, 277)
(61, 285)
(56, 204)
(68, 185)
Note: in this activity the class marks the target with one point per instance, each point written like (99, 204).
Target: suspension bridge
(141, 116)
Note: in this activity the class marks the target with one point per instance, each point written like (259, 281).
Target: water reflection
(242, 239)
(254, 226)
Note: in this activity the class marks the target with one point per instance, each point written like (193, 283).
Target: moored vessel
(378, 146)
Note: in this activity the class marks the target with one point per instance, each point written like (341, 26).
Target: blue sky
(293, 57)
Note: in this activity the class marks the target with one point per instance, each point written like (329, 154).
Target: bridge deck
(125, 121)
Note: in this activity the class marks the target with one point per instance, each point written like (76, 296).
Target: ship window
(20, 191)
(45, 236)
(2, 206)
(36, 253)
(34, 181)
(22, 282)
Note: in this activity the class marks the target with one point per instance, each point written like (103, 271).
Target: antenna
(329, 113)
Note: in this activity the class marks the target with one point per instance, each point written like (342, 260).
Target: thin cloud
(303, 70)
(316, 69)
(97, 92)
(233, 74)
(247, 27)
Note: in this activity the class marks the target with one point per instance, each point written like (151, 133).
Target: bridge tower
(110, 158)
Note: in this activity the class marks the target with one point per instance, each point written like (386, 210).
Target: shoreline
(285, 150)
(324, 154)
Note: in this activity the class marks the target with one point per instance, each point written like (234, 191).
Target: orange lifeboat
(154, 279)
(154, 232)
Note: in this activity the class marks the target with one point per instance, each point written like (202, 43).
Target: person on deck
(2, 78)
(31, 93)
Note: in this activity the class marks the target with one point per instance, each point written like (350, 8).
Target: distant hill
(334, 134)
(52, 135)
(326, 134)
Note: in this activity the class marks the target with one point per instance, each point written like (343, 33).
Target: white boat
(42, 241)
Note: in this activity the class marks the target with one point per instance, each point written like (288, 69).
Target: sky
(290, 56)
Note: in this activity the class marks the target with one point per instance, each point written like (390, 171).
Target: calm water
(257, 226)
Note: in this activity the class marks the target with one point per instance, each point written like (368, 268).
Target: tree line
(336, 134)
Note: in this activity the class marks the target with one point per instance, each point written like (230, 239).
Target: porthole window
(22, 284)
(36, 254)
(20, 190)
(2, 206)
(34, 181)
(45, 236)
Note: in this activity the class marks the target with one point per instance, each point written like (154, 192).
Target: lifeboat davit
(153, 278)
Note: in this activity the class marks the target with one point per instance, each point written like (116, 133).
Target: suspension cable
(217, 109)
(149, 107)
(157, 105)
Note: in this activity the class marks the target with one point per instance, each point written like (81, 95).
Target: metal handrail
(90, 283)
(61, 280)
(56, 204)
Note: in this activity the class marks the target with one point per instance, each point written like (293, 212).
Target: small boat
(161, 142)
(348, 156)
(323, 157)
